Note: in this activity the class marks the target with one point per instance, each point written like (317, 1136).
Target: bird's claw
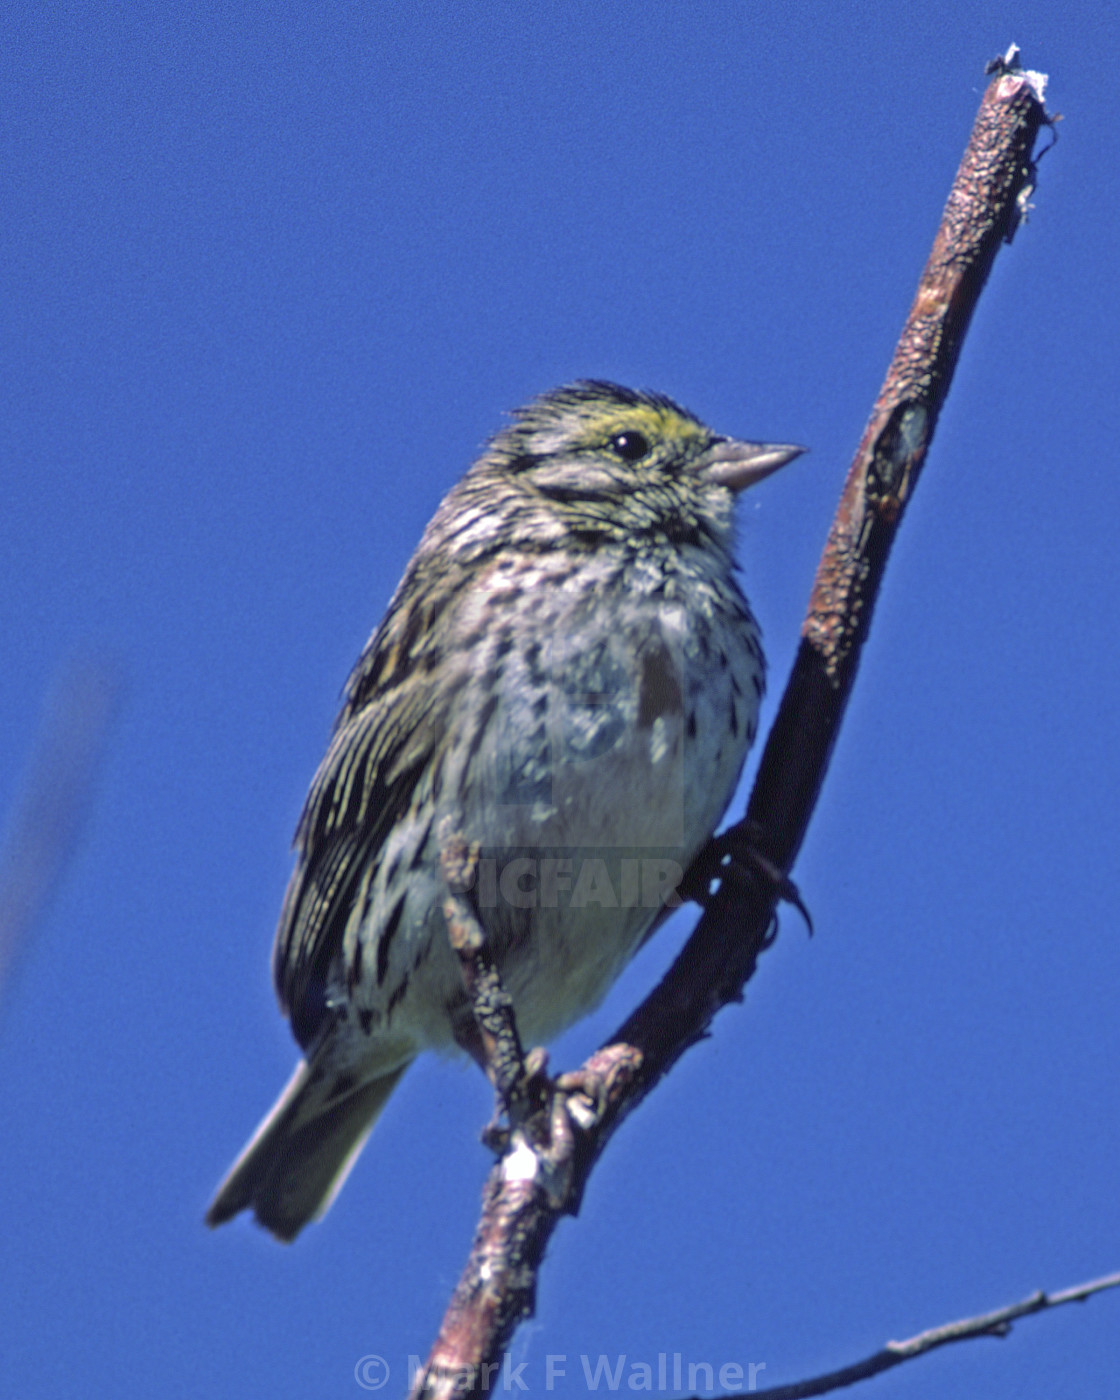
(733, 855)
(585, 1094)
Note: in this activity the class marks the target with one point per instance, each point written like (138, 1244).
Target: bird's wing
(395, 713)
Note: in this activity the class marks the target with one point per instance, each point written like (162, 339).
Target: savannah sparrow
(569, 675)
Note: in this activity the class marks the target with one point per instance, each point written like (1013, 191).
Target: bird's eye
(631, 447)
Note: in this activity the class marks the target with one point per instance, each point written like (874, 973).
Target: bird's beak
(738, 465)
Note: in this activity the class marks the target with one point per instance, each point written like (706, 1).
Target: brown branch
(521, 1205)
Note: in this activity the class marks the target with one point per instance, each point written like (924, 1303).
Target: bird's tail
(295, 1163)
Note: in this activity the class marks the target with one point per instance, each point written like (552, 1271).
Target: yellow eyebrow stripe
(656, 422)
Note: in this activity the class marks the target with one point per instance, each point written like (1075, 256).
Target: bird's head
(602, 462)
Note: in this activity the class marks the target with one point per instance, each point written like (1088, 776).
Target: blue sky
(271, 276)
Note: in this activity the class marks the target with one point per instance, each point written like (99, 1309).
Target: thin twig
(993, 1324)
(520, 1205)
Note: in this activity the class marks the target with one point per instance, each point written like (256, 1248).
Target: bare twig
(520, 1206)
(499, 1048)
(993, 1324)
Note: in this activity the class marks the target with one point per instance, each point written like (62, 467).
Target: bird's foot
(521, 1102)
(735, 855)
(585, 1094)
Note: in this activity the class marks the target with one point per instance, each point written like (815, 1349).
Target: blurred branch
(45, 825)
(520, 1206)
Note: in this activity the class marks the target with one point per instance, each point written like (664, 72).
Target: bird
(568, 676)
